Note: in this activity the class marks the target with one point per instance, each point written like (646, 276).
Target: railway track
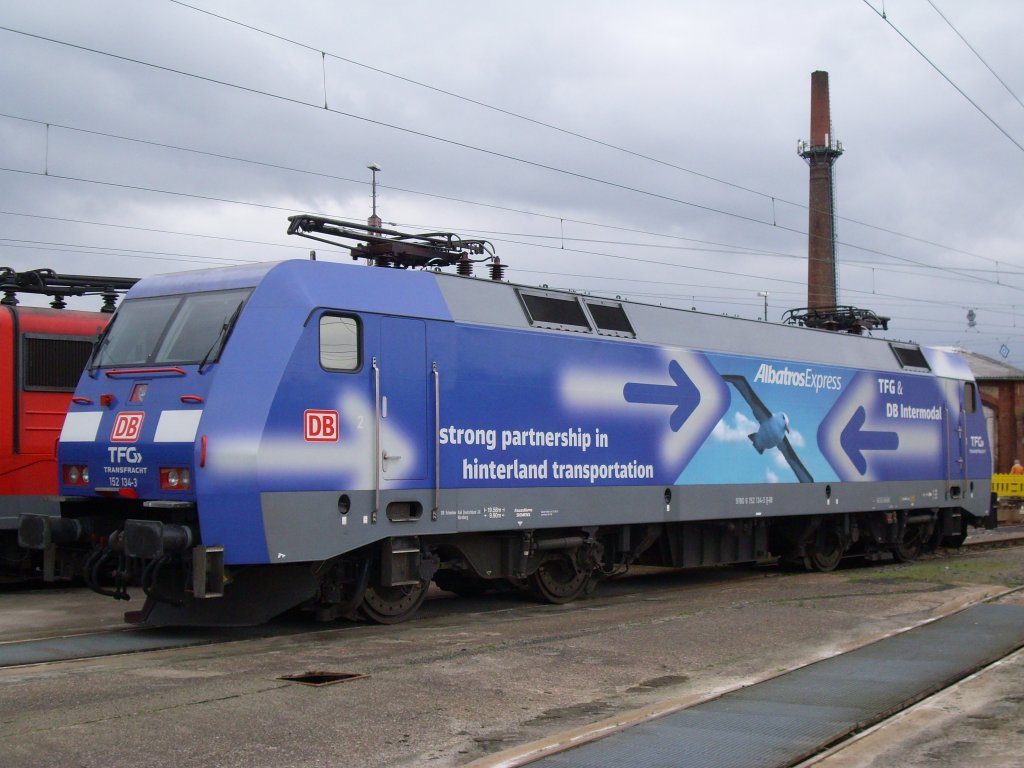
(56, 646)
(996, 539)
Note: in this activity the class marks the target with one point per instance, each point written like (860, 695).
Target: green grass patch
(944, 571)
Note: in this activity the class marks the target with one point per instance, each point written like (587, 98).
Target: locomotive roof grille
(548, 309)
(610, 317)
(554, 311)
(910, 357)
(53, 363)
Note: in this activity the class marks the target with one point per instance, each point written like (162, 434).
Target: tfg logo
(320, 426)
(124, 454)
(127, 427)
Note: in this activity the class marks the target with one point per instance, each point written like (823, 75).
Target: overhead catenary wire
(679, 297)
(465, 145)
(944, 76)
(973, 50)
(773, 198)
(731, 273)
(335, 177)
(136, 187)
(960, 273)
(393, 126)
(957, 272)
(847, 263)
(187, 258)
(194, 258)
(291, 209)
(800, 283)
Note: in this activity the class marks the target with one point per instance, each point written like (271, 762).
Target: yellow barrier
(1008, 485)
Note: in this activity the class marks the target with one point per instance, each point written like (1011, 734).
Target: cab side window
(970, 397)
(340, 348)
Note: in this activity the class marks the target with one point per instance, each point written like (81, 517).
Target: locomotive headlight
(175, 479)
(75, 474)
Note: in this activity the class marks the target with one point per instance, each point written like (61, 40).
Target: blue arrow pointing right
(854, 441)
(683, 394)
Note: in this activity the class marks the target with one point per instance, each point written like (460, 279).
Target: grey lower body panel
(784, 720)
(308, 526)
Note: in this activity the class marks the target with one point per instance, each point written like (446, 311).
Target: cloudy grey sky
(657, 160)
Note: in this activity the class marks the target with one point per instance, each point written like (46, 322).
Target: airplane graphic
(772, 430)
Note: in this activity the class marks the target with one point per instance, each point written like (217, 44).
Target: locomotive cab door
(956, 440)
(403, 400)
(977, 443)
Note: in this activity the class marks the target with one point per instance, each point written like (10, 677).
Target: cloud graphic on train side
(737, 432)
(285, 456)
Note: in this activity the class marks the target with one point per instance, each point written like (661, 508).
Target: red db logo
(127, 427)
(321, 426)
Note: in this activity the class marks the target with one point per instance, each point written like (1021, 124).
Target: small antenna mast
(374, 220)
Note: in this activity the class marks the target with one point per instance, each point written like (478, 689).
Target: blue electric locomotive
(250, 439)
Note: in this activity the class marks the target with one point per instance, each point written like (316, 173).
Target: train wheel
(912, 545)
(826, 557)
(559, 580)
(391, 605)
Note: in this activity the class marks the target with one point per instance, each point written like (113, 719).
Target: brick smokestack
(821, 152)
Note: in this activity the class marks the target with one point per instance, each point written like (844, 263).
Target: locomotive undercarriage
(186, 582)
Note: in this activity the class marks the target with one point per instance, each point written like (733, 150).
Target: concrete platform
(978, 722)
(788, 718)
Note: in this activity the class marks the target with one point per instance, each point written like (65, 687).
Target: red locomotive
(43, 351)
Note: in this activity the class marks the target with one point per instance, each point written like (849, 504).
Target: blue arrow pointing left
(855, 440)
(683, 394)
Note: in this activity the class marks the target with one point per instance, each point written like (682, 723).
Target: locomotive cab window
(552, 310)
(339, 343)
(970, 397)
(610, 318)
(200, 327)
(165, 330)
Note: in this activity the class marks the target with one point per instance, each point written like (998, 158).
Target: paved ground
(468, 678)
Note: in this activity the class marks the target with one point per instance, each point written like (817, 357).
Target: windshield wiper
(222, 336)
(98, 346)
